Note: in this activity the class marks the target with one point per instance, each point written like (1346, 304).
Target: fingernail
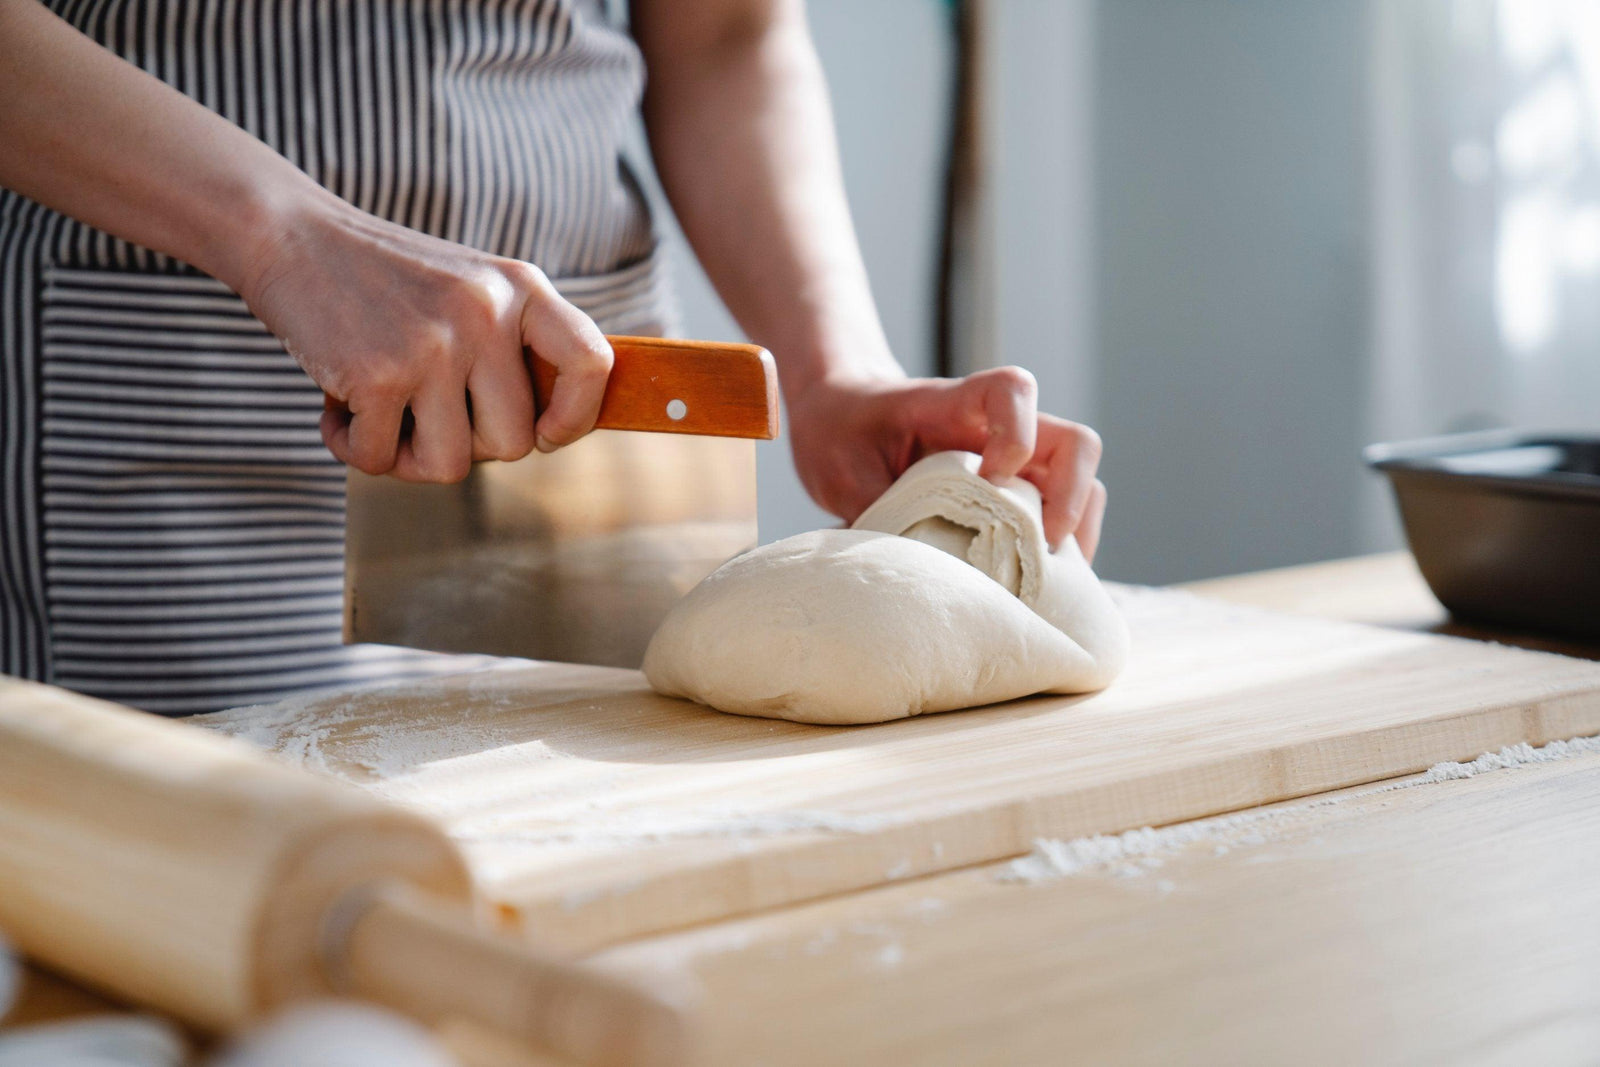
(544, 444)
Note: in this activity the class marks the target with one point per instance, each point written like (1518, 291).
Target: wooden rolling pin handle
(393, 945)
(697, 387)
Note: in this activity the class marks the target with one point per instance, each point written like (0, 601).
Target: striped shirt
(173, 529)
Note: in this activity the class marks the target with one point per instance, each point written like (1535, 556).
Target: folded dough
(943, 501)
(863, 625)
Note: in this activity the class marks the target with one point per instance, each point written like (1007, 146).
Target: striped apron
(173, 529)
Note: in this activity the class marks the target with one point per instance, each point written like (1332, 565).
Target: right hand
(386, 319)
(854, 435)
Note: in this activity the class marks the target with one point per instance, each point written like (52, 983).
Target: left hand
(853, 437)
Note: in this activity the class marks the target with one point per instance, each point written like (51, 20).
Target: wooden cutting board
(595, 811)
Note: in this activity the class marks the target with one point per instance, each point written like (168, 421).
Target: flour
(643, 827)
(372, 742)
(888, 952)
(822, 942)
(290, 730)
(1506, 758)
(1134, 852)
(372, 746)
(393, 744)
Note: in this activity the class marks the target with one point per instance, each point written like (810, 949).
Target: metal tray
(1505, 527)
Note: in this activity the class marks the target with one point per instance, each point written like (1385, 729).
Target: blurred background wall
(1241, 238)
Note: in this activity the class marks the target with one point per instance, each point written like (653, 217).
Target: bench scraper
(575, 555)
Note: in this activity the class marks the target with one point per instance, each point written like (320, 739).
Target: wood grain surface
(1450, 923)
(1385, 589)
(594, 811)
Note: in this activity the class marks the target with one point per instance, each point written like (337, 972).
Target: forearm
(96, 138)
(742, 135)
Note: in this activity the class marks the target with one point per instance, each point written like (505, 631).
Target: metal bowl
(1505, 527)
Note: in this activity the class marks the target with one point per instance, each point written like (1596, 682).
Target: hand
(853, 438)
(388, 321)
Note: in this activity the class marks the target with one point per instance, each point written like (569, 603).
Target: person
(214, 211)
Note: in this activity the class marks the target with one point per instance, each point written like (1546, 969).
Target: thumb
(559, 334)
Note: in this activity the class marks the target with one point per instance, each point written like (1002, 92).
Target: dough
(942, 501)
(864, 625)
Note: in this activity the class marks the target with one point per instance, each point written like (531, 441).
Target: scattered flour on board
(370, 739)
(379, 747)
(822, 942)
(1506, 758)
(890, 956)
(364, 736)
(291, 730)
(641, 826)
(1134, 852)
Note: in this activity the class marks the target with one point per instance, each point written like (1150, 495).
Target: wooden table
(1380, 590)
(1451, 921)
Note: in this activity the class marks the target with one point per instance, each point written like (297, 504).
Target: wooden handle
(697, 387)
(707, 388)
(425, 958)
(182, 869)
(190, 872)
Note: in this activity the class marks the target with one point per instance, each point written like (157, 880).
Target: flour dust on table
(943, 595)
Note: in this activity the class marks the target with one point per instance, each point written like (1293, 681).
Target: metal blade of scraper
(576, 555)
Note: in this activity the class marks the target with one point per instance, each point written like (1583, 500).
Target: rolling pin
(664, 385)
(197, 875)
